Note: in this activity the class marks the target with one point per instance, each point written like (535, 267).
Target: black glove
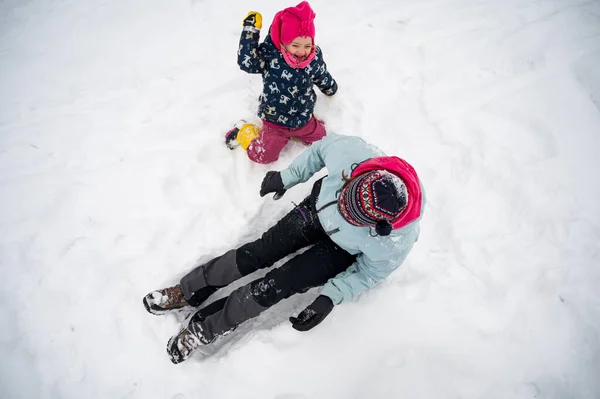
(272, 184)
(313, 314)
(332, 91)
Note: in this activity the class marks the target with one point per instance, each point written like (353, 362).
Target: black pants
(299, 229)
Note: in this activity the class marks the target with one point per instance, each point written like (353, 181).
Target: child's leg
(268, 145)
(313, 131)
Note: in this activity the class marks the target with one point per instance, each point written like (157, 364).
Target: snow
(115, 181)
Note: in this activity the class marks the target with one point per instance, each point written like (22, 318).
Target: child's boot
(241, 135)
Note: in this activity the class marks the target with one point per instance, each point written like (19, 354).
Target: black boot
(183, 344)
(213, 322)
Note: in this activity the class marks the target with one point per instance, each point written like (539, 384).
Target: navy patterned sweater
(288, 98)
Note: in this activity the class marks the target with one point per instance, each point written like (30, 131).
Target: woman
(361, 220)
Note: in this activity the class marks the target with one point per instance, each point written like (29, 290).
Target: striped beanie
(373, 199)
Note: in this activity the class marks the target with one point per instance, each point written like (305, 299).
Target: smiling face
(300, 47)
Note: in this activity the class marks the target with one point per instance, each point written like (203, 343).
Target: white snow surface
(115, 181)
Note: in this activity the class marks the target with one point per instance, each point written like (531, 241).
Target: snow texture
(115, 181)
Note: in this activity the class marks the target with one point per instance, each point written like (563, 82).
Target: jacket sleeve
(249, 58)
(306, 164)
(323, 78)
(364, 274)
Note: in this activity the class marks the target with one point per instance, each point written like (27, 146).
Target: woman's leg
(310, 269)
(296, 230)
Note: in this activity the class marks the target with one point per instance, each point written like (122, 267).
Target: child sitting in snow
(290, 64)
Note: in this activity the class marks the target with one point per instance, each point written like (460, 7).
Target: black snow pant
(300, 228)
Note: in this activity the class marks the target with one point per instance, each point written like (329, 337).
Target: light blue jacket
(377, 256)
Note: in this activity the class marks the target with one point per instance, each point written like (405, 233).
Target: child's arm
(248, 56)
(323, 78)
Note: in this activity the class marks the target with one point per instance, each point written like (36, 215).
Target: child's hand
(331, 92)
(253, 19)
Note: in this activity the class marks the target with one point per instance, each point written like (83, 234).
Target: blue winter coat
(288, 98)
(377, 256)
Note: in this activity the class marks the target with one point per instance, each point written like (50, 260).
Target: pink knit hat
(375, 196)
(292, 22)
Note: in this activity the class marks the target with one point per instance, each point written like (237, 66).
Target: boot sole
(170, 350)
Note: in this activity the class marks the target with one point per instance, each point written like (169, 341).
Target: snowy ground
(114, 181)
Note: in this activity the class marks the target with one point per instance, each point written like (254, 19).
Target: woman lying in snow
(361, 228)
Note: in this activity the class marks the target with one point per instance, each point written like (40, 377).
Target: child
(290, 64)
(359, 222)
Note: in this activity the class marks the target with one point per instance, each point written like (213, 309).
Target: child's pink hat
(292, 22)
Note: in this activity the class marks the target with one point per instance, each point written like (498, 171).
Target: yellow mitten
(253, 19)
(247, 133)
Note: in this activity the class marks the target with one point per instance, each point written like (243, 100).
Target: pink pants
(267, 147)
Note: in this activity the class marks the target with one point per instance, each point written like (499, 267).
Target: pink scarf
(293, 61)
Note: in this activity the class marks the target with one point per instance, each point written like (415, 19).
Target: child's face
(300, 47)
